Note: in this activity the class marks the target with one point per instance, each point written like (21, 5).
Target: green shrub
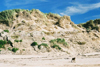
(9, 49)
(2, 43)
(9, 42)
(7, 16)
(60, 40)
(34, 44)
(56, 46)
(43, 38)
(96, 28)
(39, 46)
(2, 46)
(65, 43)
(43, 44)
(97, 21)
(52, 41)
(18, 40)
(17, 10)
(91, 25)
(15, 49)
(6, 31)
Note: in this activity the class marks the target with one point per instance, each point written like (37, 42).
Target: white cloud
(79, 8)
(12, 3)
(97, 16)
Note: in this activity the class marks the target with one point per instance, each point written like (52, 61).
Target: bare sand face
(47, 61)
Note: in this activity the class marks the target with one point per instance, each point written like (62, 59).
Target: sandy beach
(47, 61)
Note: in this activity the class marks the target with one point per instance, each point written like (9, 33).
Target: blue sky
(80, 11)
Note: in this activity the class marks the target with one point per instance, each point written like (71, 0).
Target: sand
(48, 60)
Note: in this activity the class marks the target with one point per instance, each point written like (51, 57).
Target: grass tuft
(56, 46)
(17, 40)
(15, 49)
(43, 38)
(81, 43)
(6, 31)
(34, 44)
(43, 44)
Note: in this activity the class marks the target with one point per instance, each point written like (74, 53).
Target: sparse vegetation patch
(43, 38)
(9, 49)
(43, 44)
(2, 43)
(23, 49)
(56, 46)
(53, 41)
(7, 16)
(15, 49)
(59, 40)
(6, 31)
(81, 43)
(17, 40)
(34, 44)
(16, 36)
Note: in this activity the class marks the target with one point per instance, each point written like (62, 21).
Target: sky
(80, 11)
